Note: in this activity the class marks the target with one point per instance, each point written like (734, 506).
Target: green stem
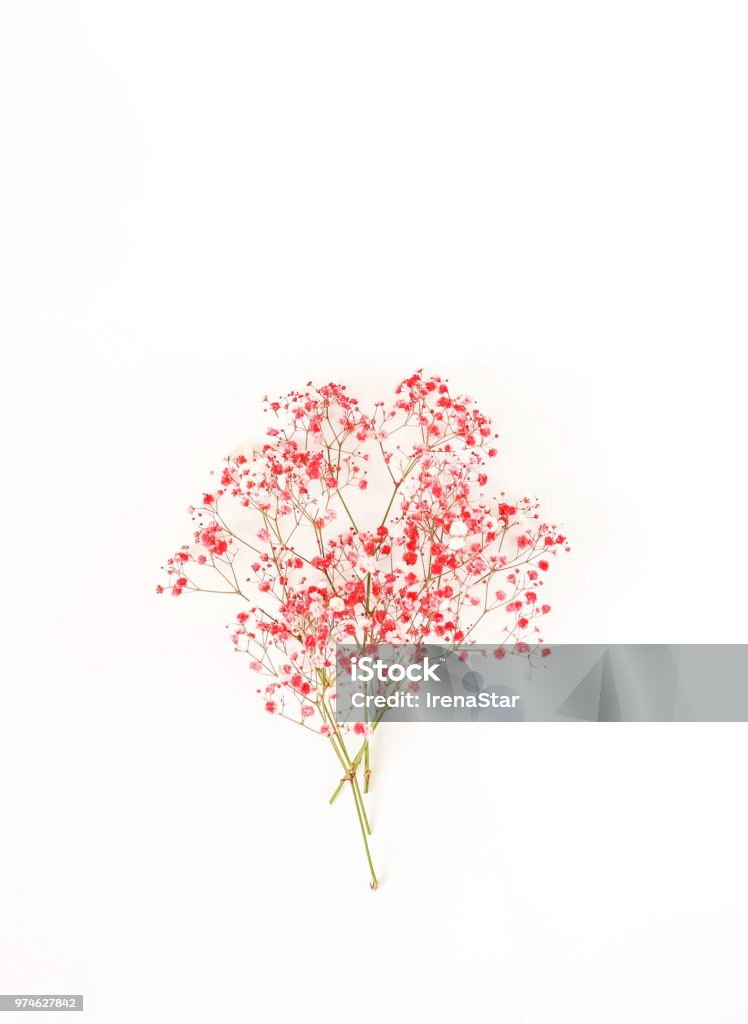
(334, 797)
(367, 768)
(356, 798)
(357, 791)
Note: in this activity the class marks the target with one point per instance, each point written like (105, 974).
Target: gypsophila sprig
(363, 527)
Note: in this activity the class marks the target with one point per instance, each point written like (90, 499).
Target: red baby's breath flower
(296, 535)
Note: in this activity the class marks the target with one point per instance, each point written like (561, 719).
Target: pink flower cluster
(423, 555)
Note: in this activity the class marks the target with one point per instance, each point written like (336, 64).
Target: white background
(204, 203)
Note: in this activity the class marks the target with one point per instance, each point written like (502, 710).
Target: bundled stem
(350, 767)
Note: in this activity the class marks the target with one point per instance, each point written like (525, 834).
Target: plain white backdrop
(203, 203)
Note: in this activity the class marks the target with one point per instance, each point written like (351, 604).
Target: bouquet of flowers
(354, 526)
